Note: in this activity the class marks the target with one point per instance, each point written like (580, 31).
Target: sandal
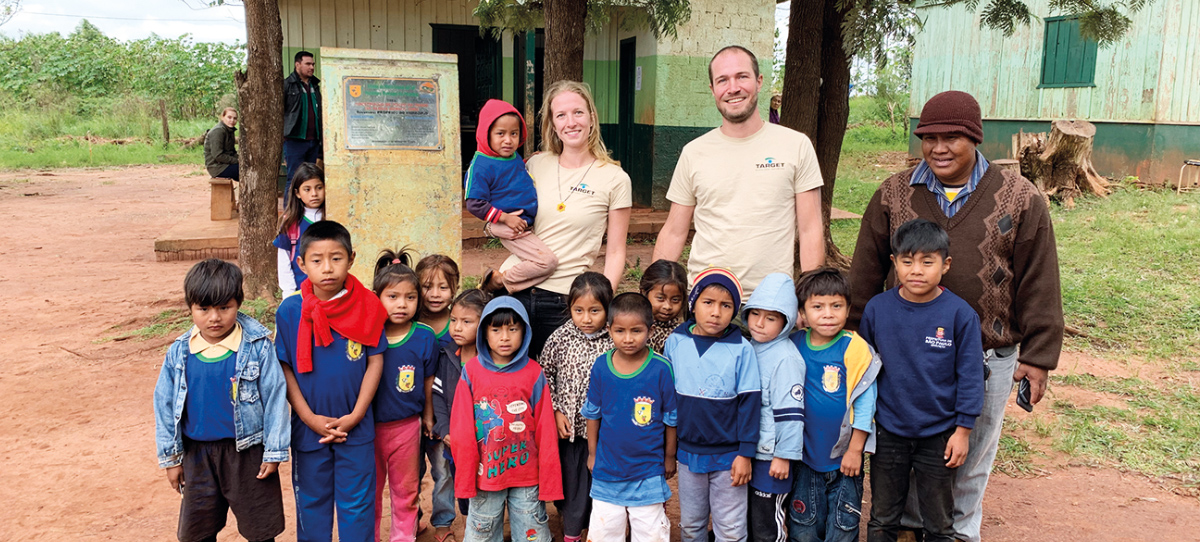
(448, 535)
(486, 285)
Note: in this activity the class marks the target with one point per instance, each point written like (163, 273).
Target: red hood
(491, 111)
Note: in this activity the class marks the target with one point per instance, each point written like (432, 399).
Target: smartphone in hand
(1023, 392)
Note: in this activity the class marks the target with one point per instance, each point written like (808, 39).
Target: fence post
(162, 108)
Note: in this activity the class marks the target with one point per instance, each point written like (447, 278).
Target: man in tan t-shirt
(744, 183)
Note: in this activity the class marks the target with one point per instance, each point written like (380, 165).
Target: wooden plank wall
(1149, 76)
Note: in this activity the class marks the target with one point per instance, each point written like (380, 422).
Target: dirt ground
(78, 255)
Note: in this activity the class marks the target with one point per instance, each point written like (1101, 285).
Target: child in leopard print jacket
(567, 362)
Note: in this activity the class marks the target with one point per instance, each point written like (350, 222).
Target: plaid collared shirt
(924, 175)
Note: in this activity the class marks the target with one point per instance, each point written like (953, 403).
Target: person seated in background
(220, 153)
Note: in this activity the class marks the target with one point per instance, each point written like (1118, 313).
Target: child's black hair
(920, 236)
(503, 317)
(632, 303)
(324, 230)
(393, 267)
(293, 208)
(822, 281)
(593, 284)
(474, 299)
(663, 273)
(212, 283)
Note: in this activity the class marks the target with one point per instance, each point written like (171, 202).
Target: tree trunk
(564, 39)
(1061, 165)
(802, 78)
(260, 93)
(833, 111)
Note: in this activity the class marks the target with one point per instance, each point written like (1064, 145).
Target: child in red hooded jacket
(502, 433)
(498, 190)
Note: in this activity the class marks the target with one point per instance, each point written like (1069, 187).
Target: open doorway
(479, 75)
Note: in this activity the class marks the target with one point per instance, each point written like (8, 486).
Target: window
(1068, 60)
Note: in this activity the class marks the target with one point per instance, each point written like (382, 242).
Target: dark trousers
(218, 478)
(768, 521)
(895, 457)
(230, 172)
(547, 311)
(576, 506)
(296, 152)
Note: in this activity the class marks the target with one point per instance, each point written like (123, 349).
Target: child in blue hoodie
(718, 396)
(770, 315)
(499, 190)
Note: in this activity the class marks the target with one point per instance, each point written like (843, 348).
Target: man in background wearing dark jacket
(301, 115)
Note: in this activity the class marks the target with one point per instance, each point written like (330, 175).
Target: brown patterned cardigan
(1004, 259)
(567, 362)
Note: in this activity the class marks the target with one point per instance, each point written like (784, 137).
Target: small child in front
(439, 285)
(930, 387)
(502, 432)
(839, 405)
(665, 284)
(631, 413)
(769, 315)
(305, 206)
(220, 412)
(331, 340)
(567, 361)
(717, 389)
(403, 405)
(499, 190)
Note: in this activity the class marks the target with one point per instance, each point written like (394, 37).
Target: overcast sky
(131, 19)
(136, 19)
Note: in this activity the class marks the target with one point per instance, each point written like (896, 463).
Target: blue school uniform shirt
(932, 354)
(406, 363)
(284, 242)
(208, 407)
(824, 399)
(443, 338)
(634, 411)
(331, 388)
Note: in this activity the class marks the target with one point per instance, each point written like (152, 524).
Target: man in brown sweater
(1005, 267)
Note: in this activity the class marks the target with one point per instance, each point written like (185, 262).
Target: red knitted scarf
(358, 316)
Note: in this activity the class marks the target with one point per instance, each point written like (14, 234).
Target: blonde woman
(583, 194)
(220, 152)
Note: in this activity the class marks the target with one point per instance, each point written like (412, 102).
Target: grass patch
(170, 321)
(859, 173)
(1157, 432)
(1127, 264)
(469, 281)
(55, 153)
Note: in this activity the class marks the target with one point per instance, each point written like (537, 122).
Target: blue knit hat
(716, 275)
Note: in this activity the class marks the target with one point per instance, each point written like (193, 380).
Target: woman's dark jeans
(547, 311)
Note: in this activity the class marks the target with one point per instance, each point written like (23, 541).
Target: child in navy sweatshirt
(718, 396)
(930, 387)
(499, 190)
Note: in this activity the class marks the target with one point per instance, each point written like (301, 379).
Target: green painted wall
(603, 76)
(1152, 152)
(1148, 76)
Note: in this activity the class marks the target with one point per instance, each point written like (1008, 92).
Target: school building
(651, 94)
(1142, 93)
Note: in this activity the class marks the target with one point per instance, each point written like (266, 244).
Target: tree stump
(1061, 165)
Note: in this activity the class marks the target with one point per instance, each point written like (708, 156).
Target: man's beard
(743, 117)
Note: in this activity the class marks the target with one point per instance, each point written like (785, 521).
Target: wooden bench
(223, 205)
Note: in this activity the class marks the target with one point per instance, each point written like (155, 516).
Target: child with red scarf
(330, 339)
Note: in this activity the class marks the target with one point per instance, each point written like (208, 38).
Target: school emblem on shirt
(798, 392)
(642, 410)
(406, 380)
(939, 340)
(354, 350)
(831, 380)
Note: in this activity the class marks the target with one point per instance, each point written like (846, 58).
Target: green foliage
(661, 17)
(50, 69)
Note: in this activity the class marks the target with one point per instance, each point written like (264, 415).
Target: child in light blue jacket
(770, 315)
(221, 416)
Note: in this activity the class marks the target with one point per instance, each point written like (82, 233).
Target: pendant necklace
(562, 202)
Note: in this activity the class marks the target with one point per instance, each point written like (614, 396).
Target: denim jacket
(262, 398)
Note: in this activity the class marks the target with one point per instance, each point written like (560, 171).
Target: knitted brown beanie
(949, 112)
